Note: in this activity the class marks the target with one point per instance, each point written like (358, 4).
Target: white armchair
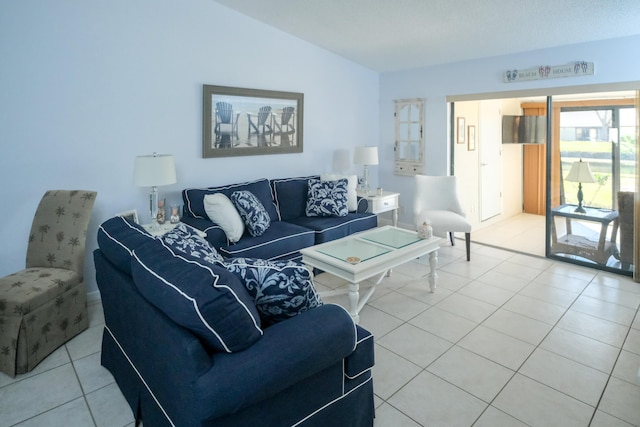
(436, 202)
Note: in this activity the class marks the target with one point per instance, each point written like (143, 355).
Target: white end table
(387, 201)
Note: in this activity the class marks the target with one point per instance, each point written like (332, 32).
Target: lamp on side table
(153, 171)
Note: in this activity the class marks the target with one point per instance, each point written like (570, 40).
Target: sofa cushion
(253, 213)
(281, 240)
(222, 212)
(194, 197)
(327, 229)
(202, 297)
(327, 198)
(290, 196)
(118, 237)
(280, 289)
(352, 188)
(187, 240)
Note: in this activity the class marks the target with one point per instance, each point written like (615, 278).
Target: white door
(490, 152)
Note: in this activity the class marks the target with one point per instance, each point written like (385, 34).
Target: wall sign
(543, 72)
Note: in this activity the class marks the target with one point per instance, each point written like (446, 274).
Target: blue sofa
(187, 348)
(290, 230)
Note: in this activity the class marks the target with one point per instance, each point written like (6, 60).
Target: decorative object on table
(153, 171)
(131, 215)
(175, 214)
(580, 172)
(367, 156)
(161, 215)
(379, 191)
(272, 122)
(425, 231)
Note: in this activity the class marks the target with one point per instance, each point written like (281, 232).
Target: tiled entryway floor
(506, 340)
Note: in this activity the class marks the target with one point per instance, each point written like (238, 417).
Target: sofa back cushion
(290, 196)
(118, 238)
(202, 297)
(194, 197)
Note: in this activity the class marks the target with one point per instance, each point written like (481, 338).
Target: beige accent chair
(44, 305)
(436, 202)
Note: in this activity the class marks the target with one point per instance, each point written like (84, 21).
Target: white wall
(614, 63)
(85, 86)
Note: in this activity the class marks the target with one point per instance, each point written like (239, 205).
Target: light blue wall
(85, 86)
(616, 61)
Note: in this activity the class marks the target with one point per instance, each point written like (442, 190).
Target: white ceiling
(392, 35)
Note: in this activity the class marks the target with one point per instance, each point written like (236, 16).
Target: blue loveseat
(290, 230)
(188, 348)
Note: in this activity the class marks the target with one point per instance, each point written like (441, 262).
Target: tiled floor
(506, 340)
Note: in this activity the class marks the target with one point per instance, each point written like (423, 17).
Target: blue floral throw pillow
(280, 289)
(327, 198)
(185, 239)
(253, 213)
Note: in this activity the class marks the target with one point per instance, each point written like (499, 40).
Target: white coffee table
(368, 254)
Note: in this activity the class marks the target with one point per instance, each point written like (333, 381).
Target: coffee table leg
(354, 297)
(433, 275)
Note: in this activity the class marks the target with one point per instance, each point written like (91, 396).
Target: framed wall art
(472, 138)
(460, 130)
(250, 122)
(131, 215)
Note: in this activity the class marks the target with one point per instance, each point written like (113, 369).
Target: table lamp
(152, 171)
(580, 172)
(367, 156)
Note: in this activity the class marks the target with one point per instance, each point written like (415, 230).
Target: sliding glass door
(591, 219)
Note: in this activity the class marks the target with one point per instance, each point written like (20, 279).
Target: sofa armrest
(214, 233)
(363, 205)
(288, 352)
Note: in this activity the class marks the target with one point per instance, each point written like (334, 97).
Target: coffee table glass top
(353, 251)
(392, 237)
(369, 245)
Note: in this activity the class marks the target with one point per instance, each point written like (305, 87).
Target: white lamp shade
(154, 170)
(580, 172)
(341, 160)
(365, 156)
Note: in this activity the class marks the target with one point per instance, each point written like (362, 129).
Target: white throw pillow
(221, 211)
(352, 195)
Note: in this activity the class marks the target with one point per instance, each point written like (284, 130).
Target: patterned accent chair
(44, 305)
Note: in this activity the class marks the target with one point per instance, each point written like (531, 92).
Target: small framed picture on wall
(461, 133)
(472, 138)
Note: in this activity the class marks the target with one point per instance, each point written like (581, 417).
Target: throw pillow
(187, 240)
(280, 289)
(204, 298)
(327, 198)
(221, 211)
(251, 211)
(352, 188)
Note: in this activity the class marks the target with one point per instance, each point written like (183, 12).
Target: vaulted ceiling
(392, 35)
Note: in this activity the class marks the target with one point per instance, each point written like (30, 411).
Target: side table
(385, 202)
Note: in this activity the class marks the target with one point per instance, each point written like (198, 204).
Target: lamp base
(580, 209)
